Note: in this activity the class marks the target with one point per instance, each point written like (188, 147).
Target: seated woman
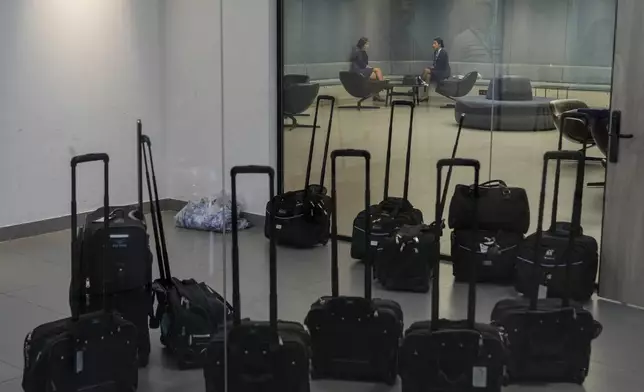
(360, 63)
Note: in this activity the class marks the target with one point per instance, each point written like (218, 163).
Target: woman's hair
(440, 42)
(362, 42)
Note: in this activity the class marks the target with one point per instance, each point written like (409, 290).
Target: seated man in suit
(440, 69)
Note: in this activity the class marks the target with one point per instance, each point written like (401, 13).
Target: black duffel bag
(500, 208)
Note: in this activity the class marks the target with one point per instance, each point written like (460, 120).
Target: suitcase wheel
(391, 378)
(580, 377)
(144, 359)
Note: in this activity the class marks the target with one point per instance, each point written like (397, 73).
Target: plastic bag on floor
(210, 214)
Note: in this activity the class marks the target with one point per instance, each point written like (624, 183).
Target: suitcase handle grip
(146, 139)
(400, 102)
(350, 153)
(252, 169)
(94, 157)
(458, 162)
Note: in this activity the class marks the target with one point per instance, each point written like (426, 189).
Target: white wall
(76, 74)
(74, 77)
(193, 96)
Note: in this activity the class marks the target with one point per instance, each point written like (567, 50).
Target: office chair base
(596, 184)
(294, 124)
(448, 106)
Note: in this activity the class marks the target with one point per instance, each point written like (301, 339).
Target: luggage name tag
(278, 227)
(479, 377)
(543, 287)
(78, 362)
(374, 243)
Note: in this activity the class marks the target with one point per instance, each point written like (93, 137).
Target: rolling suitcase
(353, 337)
(130, 299)
(405, 260)
(494, 252)
(94, 351)
(302, 217)
(453, 356)
(254, 356)
(550, 338)
(188, 312)
(563, 249)
(392, 212)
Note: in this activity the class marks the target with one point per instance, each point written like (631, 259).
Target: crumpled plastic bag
(210, 214)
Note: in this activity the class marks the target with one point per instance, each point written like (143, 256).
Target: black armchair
(360, 87)
(297, 98)
(455, 88)
(572, 124)
(599, 122)
(288, 80)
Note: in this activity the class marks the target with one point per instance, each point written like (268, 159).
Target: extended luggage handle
(555, 200)
(254, 169)
(326, 141)
(575, 221)
(368, 260)
(76, 254)
(160, 244)
(411, 105)
(139, 164)
(471, 303)
(449, 171)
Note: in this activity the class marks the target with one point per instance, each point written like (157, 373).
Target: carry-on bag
(94, 351)
(453, 356)
(580, 260)
(130, 264)
(404, 261)
(392, 212)
(254, 356)
(354, 337)
(550, 338)
(501, 207)
(302, 217)
(187, 312)
(494, 252)
(133, 303)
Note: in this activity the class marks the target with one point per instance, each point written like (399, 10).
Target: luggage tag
(78, 361)
(479, 377)
(543, 287)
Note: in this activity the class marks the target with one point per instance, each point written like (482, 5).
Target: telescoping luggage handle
(368, 260)
(326, 141)
(471, 302)
(161, 247)
(583, 117)
(76, 256)
(254, 169)
(409, 142)
(575, 221)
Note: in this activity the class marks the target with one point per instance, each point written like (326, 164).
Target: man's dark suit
(441, 69)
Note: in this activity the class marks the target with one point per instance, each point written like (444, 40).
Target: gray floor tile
(20, 271)
(8, 372)
(12, 385)
(18, 318)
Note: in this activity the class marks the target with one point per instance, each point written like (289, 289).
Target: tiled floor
(33, 289)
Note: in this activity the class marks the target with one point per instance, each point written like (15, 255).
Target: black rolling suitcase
(550, 338)
(404, 261)
(258, 355)
(188, 312)
(562, 246)
(494, 251)
(453, 356)
(94, 351)
(302, 217)
(353, 337)
(127, 272)
(392, 212)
